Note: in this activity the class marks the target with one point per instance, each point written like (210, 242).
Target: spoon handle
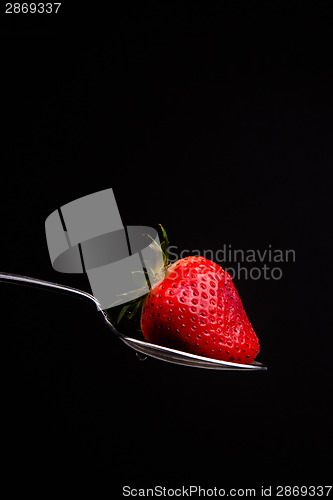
(26, 280)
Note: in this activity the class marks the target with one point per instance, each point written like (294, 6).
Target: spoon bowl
(142, 348)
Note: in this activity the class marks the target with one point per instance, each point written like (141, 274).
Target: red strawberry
(196, 308)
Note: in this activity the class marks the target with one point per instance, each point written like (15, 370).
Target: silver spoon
(142, 348)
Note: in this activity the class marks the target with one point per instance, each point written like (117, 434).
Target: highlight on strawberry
(195, 308)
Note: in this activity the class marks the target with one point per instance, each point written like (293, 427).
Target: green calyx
(126, 313)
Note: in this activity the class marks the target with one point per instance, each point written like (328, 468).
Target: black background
(214, 119)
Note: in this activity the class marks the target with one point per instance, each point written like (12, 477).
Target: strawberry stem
(129, 311)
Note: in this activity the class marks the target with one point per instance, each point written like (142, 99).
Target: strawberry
(196, 308)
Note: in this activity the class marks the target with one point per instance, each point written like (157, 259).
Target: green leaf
(139, 278)
(122, 313)
(165, 245)
(165, 236)
(135, 309)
